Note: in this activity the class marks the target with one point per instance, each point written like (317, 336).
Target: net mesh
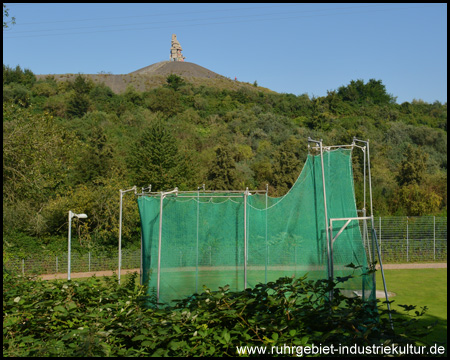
(203, 235)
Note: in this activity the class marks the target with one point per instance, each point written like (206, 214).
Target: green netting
(202, 237)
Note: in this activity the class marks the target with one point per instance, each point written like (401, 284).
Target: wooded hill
(71, 145)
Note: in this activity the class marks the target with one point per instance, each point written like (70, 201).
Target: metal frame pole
(158, 280)
(196, 256)
(330, 255)
(68, 245)
(120, 236)
(267, 245)
(374, 235)
(364, 211)
(245, 238)
(141, 275)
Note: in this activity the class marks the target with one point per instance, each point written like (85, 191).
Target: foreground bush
(98, 317)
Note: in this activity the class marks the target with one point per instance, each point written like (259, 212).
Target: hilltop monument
(175, 50)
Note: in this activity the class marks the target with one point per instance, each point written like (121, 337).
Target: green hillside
(72, 144)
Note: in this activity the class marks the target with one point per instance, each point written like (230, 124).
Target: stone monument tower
(175, 50)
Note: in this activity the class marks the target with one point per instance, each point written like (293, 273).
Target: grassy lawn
(421, 287)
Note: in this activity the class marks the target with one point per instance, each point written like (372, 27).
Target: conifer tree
(155, 159)
(222, 174)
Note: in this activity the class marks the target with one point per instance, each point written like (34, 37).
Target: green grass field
(420, 287)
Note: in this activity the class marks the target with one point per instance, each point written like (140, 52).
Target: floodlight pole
(120, 228)
(71, 215)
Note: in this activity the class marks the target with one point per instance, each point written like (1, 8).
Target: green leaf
(177, 329)
(226, 335)
(138, 338)
(304, 340)
(60, 308)
(71, 305)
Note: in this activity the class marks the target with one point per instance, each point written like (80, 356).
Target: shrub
(101, 318)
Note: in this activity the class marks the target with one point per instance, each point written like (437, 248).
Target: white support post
(120, 235)
(158, 282)
(267, 247)
(374, 235)
(327, 228)
(245, 238)
(196, 251)
(68, 245)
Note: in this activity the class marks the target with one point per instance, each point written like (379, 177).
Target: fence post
(23, 267)
(89, 261)
(407, 241)
(380, 232)
(434, 238)
(57, 264)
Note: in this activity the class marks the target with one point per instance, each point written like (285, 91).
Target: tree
(222, 174)
(79, 102)
(96, 158)
(37, 154)
(174, 81)
(416, 201)
(374, 92)
(6, 16)
(286, 166)
(165, 100)
(412, 168)
(155, 159)
(17, 75)
(78, 105)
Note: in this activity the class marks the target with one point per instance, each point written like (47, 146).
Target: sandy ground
(128, 271)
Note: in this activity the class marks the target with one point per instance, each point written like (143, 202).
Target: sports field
(421, 287)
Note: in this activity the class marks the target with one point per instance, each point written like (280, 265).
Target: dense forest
(71, 145)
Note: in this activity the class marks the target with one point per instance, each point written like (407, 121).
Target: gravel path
(128, 271)
(414, 266)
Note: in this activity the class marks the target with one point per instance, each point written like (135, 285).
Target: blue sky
(288, 48)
